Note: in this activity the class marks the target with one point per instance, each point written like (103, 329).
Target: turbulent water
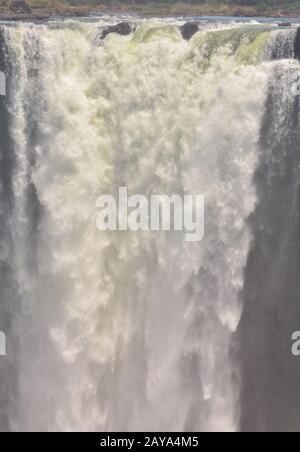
(124, 331)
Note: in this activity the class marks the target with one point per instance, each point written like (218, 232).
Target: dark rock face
(189, 29)
(123, 28)
(270, 399)
(297, 45)
(20, 6)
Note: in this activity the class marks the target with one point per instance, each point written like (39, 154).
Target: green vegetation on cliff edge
(41, 8)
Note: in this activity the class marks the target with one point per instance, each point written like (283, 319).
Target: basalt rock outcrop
(188, 30)
(123, 28)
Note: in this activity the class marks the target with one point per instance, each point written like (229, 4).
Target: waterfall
(143, 331)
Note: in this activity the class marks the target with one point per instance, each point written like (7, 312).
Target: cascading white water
(122, 330)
